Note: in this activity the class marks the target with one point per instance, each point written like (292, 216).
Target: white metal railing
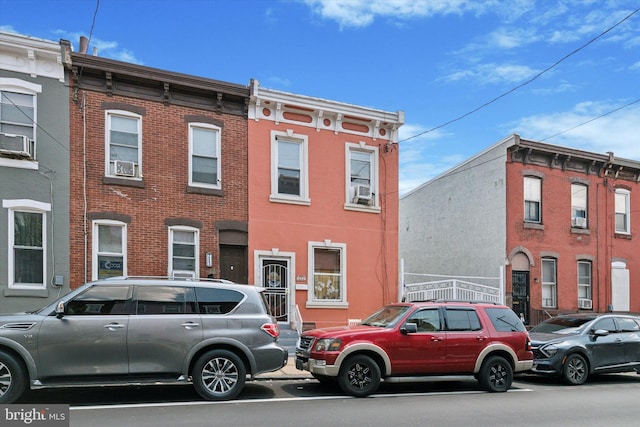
(452, 289)
(297, 320)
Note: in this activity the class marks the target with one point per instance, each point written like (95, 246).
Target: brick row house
(34, 173)
(158, 172)
(559, 223)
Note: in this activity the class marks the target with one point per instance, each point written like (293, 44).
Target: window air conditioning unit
(585, 303)
(183, 275)
(18, 145)
(362, 195)
(580, 222)
(123, 168)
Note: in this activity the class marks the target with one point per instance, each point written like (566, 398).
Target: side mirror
(600, 333)
(409, 328)
(60, 309)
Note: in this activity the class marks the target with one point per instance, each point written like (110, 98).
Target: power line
(526, 82)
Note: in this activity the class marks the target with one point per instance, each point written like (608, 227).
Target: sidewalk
(287, 372)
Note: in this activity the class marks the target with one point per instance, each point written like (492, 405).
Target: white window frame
(350, 204)
(312, 301)
(218, 133)
(95, 250)
(25, 88)
(625, 210)
(578, 205)
(109, 164)
(584, 282)
(530, 197)
(196, 243)
(551, 287)
(303, 141)
(30, 206)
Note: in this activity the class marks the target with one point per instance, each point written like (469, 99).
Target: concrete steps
(288, 338)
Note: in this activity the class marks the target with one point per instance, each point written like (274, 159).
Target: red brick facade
(555, 238)
(162, 197)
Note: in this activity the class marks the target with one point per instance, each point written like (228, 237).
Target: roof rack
(458, 300)
(188, 279)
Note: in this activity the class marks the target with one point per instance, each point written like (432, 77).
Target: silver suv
(126, 331)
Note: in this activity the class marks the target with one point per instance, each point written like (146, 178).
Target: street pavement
(287, 372)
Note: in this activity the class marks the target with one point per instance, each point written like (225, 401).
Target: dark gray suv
(126, 331)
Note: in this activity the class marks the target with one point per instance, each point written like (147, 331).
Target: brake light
(272, 329)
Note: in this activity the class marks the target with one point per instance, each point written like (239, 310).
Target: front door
(275, 278)
(520, 294)
(233, 263)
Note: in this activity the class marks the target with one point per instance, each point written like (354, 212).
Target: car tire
(219, 375)
(496, 374)
(575, 370)
(13, 378)
(359, 376)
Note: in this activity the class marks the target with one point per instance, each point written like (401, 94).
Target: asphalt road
(533, 401)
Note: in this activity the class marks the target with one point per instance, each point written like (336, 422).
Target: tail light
(272, 329)
(528, 345)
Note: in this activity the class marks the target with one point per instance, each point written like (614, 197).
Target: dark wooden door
(233, 263)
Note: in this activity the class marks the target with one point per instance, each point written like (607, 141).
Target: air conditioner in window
(362, 195)
(580, 222)
(183, 275)
(123, 168)
(585, 303)
(18, 145)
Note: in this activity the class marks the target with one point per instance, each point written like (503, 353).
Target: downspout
(83, 107)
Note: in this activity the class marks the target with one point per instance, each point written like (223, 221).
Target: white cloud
(493, 73)
(105, 48)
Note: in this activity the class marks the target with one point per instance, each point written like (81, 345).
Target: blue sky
(437, 60)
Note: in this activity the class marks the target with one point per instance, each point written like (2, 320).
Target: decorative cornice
(30, 55)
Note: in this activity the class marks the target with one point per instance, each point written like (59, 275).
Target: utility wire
(526, 82)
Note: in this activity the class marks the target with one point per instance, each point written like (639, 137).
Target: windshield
(562, 325)
(386, 316)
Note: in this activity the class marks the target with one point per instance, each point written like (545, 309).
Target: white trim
(107, 141)
(627, 210)
(275, 254)
(312, 302)
(31, 206)
(196, 249)
(374, 173)
(303, 141)
(95, 244)
(19, 86)
(218, 133)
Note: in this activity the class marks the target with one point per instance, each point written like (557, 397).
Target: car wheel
(575, 370)
(219, 375)
(496, 374)
(13, 380)
(359, 376)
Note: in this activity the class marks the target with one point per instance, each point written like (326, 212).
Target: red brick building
(158, 172)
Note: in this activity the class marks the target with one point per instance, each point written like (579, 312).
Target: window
(289, 181)
(183, 252)
(362, 177)
(164, 300)
(578, 205)
(532, 199)
(18, 117)
(462, 320)
(27, 230)
(217, 301)
(548, 283)
(627, 324)
(100, 300)
(328, 281)
(109, 249)
(584, 280)
(124, 148)
(204, 155)
(622, 211)
(426, 320)
(505, 320)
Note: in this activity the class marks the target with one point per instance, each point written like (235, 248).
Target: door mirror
(60, 309)
(600, 332)
(409, 328)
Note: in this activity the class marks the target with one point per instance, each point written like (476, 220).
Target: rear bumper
(270, 358)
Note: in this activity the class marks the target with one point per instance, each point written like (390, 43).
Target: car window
(562, 324)
(462, 320)
(427, 320)
(386, 316)
(505, 320)
(164, 300)
(607, 324)
(100, 300)
(628, 325)
(217, 301)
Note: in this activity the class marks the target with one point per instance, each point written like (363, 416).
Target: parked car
(126, 331)
(576, 346)
(419, 339)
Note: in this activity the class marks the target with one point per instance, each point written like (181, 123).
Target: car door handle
(190, 325)
(436, 339)
(114, 326)
(481, 338)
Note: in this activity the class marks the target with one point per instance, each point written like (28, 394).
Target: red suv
(420, 339)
